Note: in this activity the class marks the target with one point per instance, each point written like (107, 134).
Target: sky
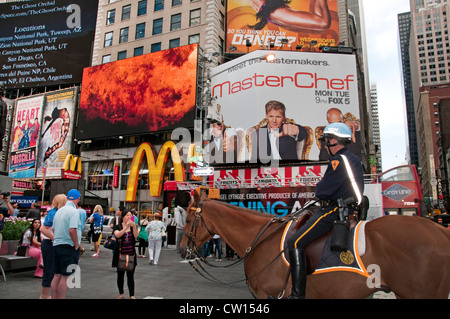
(385, 71)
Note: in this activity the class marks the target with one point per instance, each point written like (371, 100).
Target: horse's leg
(407, 250)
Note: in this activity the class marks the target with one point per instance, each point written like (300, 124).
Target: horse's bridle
(193, 232)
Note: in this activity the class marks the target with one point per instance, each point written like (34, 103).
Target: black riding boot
(298, 273)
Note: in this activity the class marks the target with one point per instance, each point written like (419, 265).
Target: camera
(5, 194)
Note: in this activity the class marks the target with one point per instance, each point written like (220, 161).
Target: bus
(400, 191)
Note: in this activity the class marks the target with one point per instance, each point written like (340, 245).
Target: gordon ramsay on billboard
(277, 110)
(281, 24)
(148, 93)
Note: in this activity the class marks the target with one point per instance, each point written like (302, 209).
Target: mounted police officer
(342, 180)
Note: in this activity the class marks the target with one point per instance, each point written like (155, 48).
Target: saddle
(317, 253)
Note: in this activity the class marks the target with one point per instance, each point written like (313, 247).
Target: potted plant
(13, 231)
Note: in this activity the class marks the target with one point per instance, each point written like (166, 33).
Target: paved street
(171, 278)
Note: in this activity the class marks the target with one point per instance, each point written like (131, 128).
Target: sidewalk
(170, 279)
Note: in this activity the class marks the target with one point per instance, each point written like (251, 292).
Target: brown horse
(412, 254)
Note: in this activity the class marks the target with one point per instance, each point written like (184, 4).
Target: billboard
(275, 111)
(148, 93)
(274, 190)
(268, 177)
(56, 131)
(45, 43)
(266, 24)
(25, 137)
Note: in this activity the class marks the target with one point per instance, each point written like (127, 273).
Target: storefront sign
(155, 168)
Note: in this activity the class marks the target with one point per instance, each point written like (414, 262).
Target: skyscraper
(404, 27)
(430, 77)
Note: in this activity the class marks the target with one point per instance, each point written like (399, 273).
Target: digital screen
(281, 25)
(45, 43)
(148, 93)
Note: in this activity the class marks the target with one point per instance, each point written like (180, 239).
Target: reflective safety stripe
(313, 225)
(352, 179)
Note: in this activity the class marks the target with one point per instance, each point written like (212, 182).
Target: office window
(142, 8)
(138, 51)
(222, 21)
(123, 35)
(175, 22)
(108, 39)
(156, 47)
(122, 55)
(176, 3)
(159, 5)
(140, 30)
(126, 11)
(157, 26)
(194, 17)
(106, 58)
(110, 16)
(174, 43)
(195, 38)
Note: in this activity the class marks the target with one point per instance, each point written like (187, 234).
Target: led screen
(147, 93)
(45, 43)
(281, 24)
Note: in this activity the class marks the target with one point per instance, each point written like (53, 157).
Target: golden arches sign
(155, 168)
(72, 163)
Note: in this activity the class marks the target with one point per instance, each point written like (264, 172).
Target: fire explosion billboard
(148, 93)
(44, 43)
(265, 23)
(276, 110)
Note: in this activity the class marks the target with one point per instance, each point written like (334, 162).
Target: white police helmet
(338, 130)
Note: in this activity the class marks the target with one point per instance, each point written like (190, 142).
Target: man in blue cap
(66, 246)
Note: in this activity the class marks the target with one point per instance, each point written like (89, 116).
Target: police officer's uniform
(343, 179)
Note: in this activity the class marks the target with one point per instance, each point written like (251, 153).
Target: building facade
(130, 28)
(430, 77)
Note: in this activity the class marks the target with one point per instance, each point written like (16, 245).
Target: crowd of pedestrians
(54, 240)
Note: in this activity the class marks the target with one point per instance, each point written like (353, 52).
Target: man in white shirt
(66, 244)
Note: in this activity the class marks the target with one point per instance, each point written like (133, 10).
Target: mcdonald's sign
(155, 168)
(72, 167)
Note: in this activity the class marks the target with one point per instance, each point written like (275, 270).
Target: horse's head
(196, 233)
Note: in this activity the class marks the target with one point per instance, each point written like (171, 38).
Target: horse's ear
(196, 197)
(204, 196)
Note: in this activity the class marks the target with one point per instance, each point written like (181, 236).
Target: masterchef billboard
(148, 93)
(277, 110)
(265, 23)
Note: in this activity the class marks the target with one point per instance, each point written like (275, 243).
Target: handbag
(163, 235)
(110, 242)
(125, 263)
(22, 251)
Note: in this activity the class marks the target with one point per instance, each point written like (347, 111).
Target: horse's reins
(251, 248)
